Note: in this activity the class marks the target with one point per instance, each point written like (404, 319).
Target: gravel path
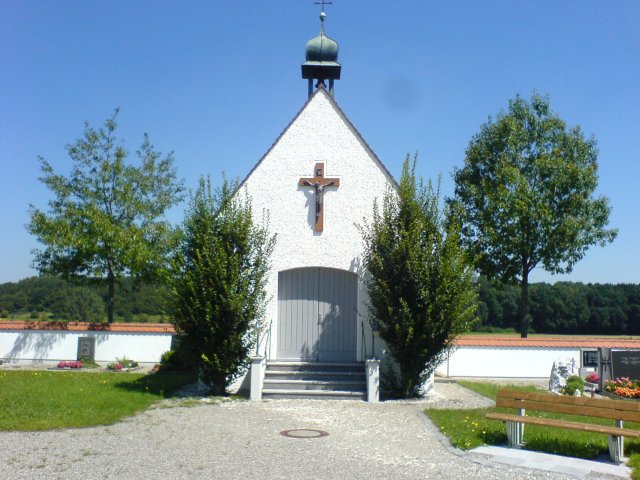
(241, 439)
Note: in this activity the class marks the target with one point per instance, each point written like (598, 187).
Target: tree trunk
(111, 279)
(523, 311)
(219, 386)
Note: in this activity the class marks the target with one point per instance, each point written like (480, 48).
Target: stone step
(316, 372)
(314, 366)
(312, 394)
(332, 385)
(319, 364)
(315, 375)
(315, 380)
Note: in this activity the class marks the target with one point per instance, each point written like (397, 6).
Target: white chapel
(317, 184)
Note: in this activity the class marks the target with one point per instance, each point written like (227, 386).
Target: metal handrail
(267, 344)
(266, 338)
(364, 342)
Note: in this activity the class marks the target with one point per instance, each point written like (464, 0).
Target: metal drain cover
(304, 433)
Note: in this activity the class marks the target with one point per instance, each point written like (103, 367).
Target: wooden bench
(617, 410)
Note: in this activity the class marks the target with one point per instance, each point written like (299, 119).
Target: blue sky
(216, 83)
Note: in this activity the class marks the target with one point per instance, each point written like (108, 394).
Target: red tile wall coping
(548, 342)
(82, 327)
(467, 340)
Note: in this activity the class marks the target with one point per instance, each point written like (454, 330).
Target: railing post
(373, 380)
(257, 377)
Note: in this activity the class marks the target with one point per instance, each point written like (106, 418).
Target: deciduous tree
(105, 219)
(525, 196)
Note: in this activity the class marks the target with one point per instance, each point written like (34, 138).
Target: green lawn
(42, 400)
(467, 429)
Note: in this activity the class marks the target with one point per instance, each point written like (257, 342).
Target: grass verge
(40, 400)
(467, 429)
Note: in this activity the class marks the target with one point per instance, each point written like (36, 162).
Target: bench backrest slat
(588, 401)
(592, 407)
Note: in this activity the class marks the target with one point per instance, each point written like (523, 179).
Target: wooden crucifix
(319, 182)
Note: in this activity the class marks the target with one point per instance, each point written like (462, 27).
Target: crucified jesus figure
(319, 183)
(319, 188)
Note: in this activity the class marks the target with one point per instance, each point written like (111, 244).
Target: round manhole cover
(304, 433)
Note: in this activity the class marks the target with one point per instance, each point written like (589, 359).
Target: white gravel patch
(241, 439)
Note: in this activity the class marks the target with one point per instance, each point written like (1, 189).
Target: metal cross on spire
(323, 3)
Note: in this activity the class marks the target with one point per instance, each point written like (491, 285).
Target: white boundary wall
(507, 362)
(35, 346)
(32, 346)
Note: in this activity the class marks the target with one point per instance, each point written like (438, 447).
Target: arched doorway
(317, 315)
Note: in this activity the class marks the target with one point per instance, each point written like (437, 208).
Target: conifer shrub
(420, 282)
(218, 281)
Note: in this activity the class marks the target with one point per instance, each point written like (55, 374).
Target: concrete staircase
(343, 381)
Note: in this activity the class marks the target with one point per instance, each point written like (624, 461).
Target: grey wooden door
(317, 315)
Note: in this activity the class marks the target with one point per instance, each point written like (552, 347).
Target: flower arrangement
(114, 366)
(593, 378)
(122, 364)
(623, 387)
(75, 364)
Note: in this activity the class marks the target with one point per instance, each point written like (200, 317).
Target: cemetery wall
(509, 356)
(32, 342)
(507, 362)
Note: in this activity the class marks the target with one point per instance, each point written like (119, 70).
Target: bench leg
(616, 448)
(616, 445)
(515, 432)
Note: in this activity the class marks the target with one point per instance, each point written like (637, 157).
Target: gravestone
(625, 363)
(590, 358)
(87, 348)
(560, 371)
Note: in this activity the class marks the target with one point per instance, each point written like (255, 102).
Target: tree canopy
(420, 284)
(526, 196)
(219, 281)
(105, 219)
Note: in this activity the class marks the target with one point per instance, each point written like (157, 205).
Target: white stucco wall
(497, 362)
(52, 346)
(319, 133)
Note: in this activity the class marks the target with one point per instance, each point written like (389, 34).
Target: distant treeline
(52, 298)
(564, 307)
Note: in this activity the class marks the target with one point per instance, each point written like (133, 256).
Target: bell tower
(321, 59)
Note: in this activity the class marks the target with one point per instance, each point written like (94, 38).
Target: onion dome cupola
(321, 55)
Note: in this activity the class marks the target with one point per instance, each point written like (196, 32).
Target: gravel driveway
(241, 440)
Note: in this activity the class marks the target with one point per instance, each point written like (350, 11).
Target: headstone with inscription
(87, 348)
(625, 363)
